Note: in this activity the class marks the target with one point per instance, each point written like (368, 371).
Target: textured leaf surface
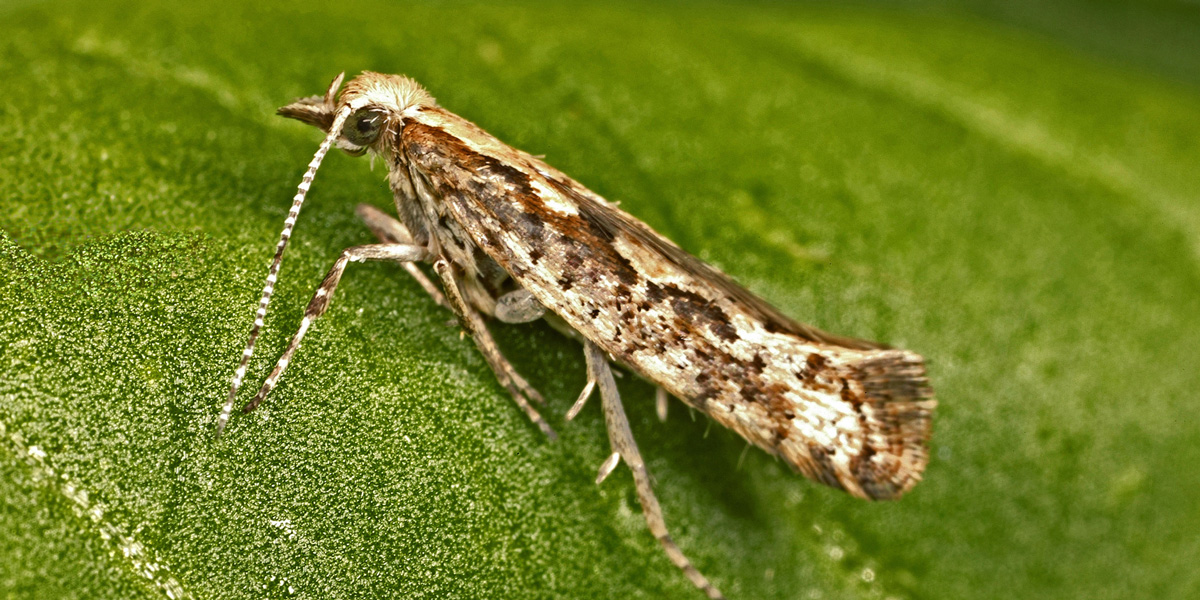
(1012, 194)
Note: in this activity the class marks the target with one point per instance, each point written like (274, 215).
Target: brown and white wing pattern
(848, 413)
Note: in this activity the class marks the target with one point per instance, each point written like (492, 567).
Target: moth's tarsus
(607, 467)
(513, 238)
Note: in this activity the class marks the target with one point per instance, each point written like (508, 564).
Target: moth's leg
(660, 403)
(391, 231)
(320, 303)
(621, 439)
(519, 306)
(477, 296)
(473, 323)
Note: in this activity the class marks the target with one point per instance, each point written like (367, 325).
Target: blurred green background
(1010, 188)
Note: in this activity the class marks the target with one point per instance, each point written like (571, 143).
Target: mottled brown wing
(844, 412)
(614, 221)
(617, 222)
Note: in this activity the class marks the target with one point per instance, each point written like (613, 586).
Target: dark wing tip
(897, 407)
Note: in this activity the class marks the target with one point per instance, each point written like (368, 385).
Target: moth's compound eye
(363, 127)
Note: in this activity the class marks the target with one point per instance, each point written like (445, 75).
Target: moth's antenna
(269, 288)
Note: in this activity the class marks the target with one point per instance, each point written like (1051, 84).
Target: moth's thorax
(394, 93)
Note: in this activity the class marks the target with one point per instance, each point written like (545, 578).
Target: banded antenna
(273, 274)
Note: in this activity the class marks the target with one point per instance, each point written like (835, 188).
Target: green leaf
(1011, 195)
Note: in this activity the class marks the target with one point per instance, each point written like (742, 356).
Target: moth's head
(370, 105)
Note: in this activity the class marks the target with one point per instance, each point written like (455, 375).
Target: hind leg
(624, 448)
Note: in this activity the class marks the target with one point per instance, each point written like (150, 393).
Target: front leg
(404, 253)
(514, 307)
(391, 231)
(473, 323)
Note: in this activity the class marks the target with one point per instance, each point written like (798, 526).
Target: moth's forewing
(848, 413)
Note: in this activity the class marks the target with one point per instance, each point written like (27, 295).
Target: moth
(512, 238)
